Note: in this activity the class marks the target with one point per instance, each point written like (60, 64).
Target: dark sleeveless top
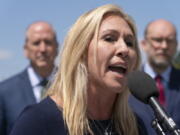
(45, 118)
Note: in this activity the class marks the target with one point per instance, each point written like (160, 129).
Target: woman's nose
(122, 49)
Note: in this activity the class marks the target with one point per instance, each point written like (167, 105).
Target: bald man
(160, 44)
(25, 88)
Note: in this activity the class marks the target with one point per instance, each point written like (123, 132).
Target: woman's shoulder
(47, 107)
(39, 118)
(43, 111)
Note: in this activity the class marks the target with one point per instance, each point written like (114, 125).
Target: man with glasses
(160, 45)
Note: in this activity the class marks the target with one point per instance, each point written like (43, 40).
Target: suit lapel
(174, 80)
(173, 89)
(27, 89)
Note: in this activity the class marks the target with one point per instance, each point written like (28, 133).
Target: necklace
(103, 127)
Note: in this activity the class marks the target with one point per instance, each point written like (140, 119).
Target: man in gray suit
(25, 88)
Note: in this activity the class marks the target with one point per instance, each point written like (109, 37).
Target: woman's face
(115, 55)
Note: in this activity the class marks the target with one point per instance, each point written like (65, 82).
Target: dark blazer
(15, 94)
(172, 95)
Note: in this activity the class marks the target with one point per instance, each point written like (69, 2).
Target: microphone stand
(162, 122)
(157, 127)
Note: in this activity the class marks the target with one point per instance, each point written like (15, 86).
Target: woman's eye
(130, 43)
(110, 38)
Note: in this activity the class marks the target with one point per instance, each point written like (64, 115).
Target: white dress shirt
(165, 75)
(35, 80)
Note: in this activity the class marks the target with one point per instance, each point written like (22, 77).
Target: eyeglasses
(159, 40)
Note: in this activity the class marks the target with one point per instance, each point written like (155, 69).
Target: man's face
(160, 44)
(41, 46)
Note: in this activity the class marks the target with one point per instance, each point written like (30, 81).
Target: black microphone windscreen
(142, 86)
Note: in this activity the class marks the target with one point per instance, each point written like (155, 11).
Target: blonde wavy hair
(70, 81)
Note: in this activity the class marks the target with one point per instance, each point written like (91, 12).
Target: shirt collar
(34, 77)
(150, 71)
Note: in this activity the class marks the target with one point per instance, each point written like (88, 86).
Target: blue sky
(16, 15)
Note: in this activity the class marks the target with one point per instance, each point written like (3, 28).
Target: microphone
(143, 87)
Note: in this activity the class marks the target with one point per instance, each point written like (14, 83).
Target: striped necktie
(43, 83)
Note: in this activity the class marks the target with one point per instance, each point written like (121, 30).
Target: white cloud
(5, 54)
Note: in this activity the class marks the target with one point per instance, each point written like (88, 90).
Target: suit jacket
(15, 94)
(172, 95)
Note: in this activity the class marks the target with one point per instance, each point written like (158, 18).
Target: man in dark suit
(25, 88)
(160, 43)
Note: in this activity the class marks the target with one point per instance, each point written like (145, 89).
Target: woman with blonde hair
(89, 94)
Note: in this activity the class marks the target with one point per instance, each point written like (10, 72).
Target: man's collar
(166, 74)
(34, 77)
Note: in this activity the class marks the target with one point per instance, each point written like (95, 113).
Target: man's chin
(42, 64)
(162, 62)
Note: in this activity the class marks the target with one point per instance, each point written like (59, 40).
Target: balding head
(160, 26)
(41, 47)
(160, 44)
(40, 26)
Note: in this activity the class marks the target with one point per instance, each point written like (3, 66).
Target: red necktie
(160, 87)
